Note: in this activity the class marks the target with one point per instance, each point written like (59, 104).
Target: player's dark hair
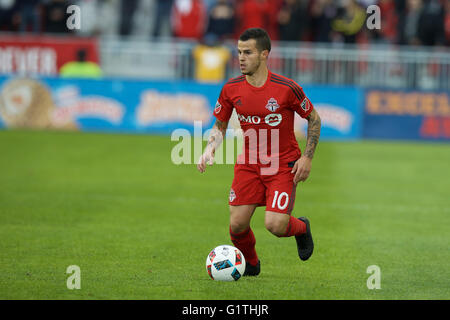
(261, 37)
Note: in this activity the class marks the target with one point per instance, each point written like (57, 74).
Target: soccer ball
(225, 263)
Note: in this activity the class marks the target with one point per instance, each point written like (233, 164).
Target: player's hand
(301, 169)
(206, 158)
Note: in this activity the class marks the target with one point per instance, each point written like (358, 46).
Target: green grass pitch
(140, 227)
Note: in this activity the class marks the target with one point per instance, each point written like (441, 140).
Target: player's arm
(313, 135)
(218, 131)
(302, 167)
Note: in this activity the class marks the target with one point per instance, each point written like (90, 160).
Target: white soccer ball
(225, 263)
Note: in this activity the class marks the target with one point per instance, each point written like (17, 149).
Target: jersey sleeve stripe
(235, 80)
(294, 86)
(299, 90)
(290, 86)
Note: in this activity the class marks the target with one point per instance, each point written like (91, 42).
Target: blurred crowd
(413, 22)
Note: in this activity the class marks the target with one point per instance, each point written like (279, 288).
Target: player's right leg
(243, 238)
(240, 217)
(247, 192)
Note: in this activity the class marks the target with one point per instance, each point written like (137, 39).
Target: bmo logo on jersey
(249, 119)
(272, 119)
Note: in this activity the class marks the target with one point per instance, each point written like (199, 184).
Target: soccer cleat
(305, 244)
(252, 270)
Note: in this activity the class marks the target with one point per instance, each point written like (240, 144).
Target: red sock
(295, 227)
(245, 241)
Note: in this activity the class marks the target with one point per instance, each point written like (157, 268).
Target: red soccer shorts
(275, 192)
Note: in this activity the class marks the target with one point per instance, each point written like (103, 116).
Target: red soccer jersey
(270, 107)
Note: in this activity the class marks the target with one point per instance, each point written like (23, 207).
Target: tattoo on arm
(312, 139)
(221, 125)
(217, 133)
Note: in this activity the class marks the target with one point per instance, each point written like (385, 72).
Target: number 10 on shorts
(280, 200)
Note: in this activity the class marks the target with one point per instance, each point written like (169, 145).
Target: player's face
(249, 56)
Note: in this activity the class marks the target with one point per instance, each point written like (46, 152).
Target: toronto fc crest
(217, 107)
(272, 105)
(232, 195)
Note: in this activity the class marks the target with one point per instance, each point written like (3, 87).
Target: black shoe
(252, 270)
(305, 244)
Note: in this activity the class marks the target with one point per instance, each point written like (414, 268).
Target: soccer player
(268, 171)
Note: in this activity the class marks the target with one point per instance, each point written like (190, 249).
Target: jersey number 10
(281, 200)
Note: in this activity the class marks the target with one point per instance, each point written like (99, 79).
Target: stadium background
(87, 178)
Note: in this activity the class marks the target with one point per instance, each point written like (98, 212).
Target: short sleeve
(300, 103)
(223, 108)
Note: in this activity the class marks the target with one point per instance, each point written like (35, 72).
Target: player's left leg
(283, 225)
(280, 200)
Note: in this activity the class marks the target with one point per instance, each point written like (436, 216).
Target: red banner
(42, 55)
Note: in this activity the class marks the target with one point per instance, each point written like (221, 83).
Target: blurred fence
(374, 65)
(376, 92)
